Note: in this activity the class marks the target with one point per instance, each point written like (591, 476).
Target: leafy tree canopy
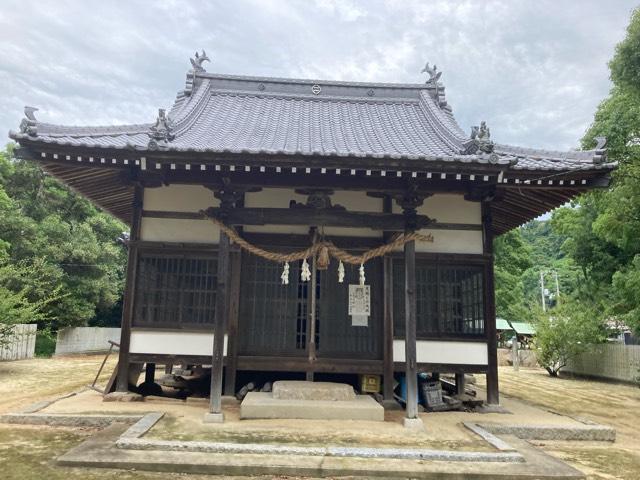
(60, 262)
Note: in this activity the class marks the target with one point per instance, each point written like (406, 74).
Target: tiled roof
(271, 116)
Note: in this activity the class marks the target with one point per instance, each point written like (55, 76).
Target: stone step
(300, 390)
(262, 405)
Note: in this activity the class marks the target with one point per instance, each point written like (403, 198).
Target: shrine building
(310, 227)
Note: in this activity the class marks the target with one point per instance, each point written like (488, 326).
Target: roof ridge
(317, 98)
(55, 130)
(551, 155)
(312, 81)
(441, 125)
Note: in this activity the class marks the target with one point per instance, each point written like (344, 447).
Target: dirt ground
(602, 402)
(28, 381)
(27, 453)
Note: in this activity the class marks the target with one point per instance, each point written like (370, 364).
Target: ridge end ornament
(160, 133)
(600, 154)
(198, 60)
(480, 140)
(29, 124)
(434, 74)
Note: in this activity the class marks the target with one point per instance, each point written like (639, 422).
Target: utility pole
(555, 274)
(544, 307)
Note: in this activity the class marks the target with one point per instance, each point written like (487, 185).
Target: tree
(565, 332)
(603, 227)
(512, 259)
(53, 240)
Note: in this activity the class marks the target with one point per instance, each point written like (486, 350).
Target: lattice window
(449, 299)
(272, 316)
(175, 291)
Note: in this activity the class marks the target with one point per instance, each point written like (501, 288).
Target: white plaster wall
(173, 342)
(451, 241)
(179, 230)
(179, 198)
(449, 208)
(433, 351)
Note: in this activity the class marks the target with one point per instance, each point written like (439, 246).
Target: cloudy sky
(534, 70)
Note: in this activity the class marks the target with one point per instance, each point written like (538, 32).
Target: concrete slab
(213, 417)
(300, 390)
(100, 452)
(413, 423)
(262, 405)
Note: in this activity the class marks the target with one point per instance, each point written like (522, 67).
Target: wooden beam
(319, 217)
(280, 216)
(217, 359)
(232, 327)
(122, 384)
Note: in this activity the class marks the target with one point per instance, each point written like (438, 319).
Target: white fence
(22, 343)
(85, 339)
(611, 361)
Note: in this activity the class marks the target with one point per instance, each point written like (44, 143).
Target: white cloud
(534, 70)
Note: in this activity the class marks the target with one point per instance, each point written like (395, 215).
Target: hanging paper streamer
(361, 270)
(285, 274)
(305, 275)
(341, 272)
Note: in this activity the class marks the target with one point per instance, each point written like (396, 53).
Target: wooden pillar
(460, 383)
(150, 373)
(410, 329)
(388, 330)
(312, 319)
(217, 359)
(493, 396)
(232, 328)
(122, 384)
(410, 201)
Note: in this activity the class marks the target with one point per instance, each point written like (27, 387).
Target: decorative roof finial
(29, 124)
(480, 140)
(160, 132)
(197, 62)
(600, 153)
(434, 74)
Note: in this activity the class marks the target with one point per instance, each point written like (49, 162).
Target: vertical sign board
(359, 305)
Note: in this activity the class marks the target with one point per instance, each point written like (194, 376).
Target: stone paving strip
(488, 437)
(131, 440)
(37, 406)
(66, 420)
(99, 451)
(595, 432)
(345, 452)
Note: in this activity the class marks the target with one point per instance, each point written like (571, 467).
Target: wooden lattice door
(274, 318)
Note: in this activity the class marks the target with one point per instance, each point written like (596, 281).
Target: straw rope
(346, 257)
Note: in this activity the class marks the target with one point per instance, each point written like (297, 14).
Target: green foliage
(564, 332)
(625, 65)
(45, 343)
(593, 244)
(60, 263)
(513, 257)
(604, 227)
